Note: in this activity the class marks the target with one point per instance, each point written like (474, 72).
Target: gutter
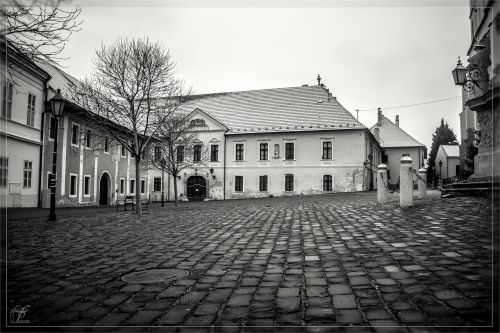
(42, 127)
(224, 168)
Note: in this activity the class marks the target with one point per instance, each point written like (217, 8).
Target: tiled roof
(391, 135)
(451, 150)
(301, 108)
(60, 79)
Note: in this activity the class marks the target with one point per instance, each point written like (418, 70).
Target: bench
(130, 201)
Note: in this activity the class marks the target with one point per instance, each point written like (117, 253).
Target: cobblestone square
(329, 260)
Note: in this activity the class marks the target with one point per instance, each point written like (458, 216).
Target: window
(8, 90)
(4, 171)
(238, 183)
(132, 186)
(157, 153)
(122, 185)
(214, 153)
(239, 151)
(263, 152)
(106, 144)
(123, 151)
(88, 139)
(73, 185)
(197, 153)
(75, 135)
(289, 182)
(388, 174)
(327, 183)
(86, 186)
(385, 158)
(28, 168)
(180, 154)
(143, 186)
(156, 184)
(31, 110)
(327, 150)
(263, 183)
(53, 128)
(289, 151)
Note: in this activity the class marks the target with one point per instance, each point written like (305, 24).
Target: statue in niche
(276, 151)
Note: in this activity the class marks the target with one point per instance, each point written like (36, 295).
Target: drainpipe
(224, 168)
(42, 125)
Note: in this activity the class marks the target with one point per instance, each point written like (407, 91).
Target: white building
(395, 143)
(23, 95)
(449, 156)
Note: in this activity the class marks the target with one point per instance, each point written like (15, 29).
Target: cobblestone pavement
(332, 260)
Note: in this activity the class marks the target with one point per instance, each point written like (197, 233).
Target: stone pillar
(405, 183)
(381, 183)
(422, 183)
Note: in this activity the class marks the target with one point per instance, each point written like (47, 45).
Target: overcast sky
(369, 54)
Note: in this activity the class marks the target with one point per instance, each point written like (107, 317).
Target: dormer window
(198, 123)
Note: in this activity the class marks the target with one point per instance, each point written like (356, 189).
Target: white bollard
(422, 183)
(405, 183)
(381, 183)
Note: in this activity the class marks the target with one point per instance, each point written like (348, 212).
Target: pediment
(203, 121)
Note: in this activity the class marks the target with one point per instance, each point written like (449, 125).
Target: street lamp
(467, 77)
(56, 108)
(440, 165)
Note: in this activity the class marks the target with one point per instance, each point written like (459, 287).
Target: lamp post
(57, 107)
(440, 165)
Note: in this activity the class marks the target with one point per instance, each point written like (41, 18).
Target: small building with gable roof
(449, 155)
(396, 143)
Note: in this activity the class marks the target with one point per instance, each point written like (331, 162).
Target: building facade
(449, 156)
(275, 142)
(482, 96)
(396, 143)
(23, 95)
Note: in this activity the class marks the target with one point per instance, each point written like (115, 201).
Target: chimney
(319, 80)
(397, 120)
(379, 121)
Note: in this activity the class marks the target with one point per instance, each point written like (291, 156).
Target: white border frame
(78, 136)
(285, 141)
(234, 185)
(259, 142)
(294, 183)
(76, 185)
(321, 149)
(90, 179)
(244, 150)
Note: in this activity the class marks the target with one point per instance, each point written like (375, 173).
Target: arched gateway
(196, 188)
(104, 189)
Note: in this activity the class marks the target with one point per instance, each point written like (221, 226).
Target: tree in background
(39, 29)
(178, 148)
(135, 88)
(442, 136)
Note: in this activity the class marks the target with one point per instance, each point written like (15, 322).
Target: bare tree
(134, 89)
(39, 29)
(178, 148)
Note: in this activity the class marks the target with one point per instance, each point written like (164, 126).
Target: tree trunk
(138, 205)
(175, 190)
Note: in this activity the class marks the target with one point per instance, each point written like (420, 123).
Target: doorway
(104, 184)
(196, 188)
